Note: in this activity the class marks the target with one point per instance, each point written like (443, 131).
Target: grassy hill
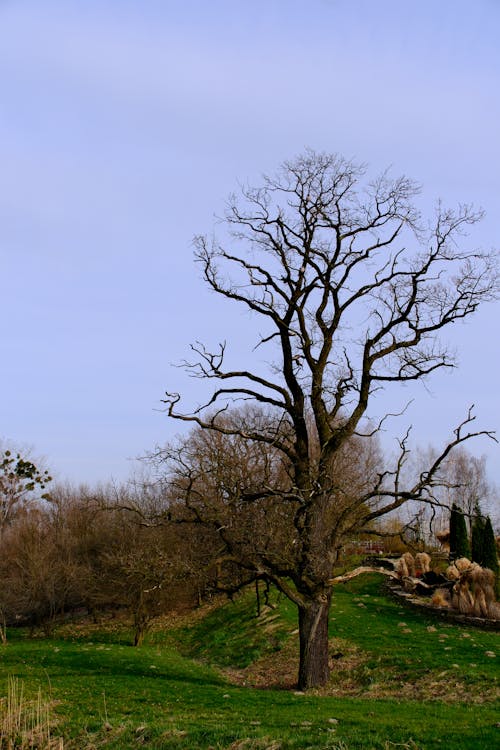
(223, 679)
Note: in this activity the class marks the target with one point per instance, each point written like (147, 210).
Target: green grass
(409, 645)
(232, 636)
(111, 695)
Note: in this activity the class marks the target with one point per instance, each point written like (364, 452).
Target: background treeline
(67, 551)
(92, 552)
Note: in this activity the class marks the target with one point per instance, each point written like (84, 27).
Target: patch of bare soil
(279, 670)
(186, 616)
(274, 671)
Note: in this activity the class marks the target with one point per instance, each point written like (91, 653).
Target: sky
(125, 124)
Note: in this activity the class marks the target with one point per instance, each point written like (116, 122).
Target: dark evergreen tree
(459, 539)
(490, 556)
(477, 540)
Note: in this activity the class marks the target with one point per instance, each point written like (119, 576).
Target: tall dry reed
(25, 724)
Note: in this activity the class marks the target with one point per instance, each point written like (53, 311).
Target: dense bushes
(82, 550)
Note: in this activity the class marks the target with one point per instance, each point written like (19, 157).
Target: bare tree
(147, 571)
(469, 487)
(241, 491)
(351, 292)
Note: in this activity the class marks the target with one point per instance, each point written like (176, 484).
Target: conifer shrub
(490, 556)
(477, 539)
(459, 538)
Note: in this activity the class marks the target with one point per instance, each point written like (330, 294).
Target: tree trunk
(141, 623)
(314, 670)
(257, 596)
(139, 635)
(3, 628)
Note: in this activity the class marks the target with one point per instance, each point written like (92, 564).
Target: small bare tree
(351, 291)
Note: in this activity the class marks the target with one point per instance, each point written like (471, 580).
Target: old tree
(351, 290)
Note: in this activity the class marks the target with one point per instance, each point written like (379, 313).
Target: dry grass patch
(26, 723)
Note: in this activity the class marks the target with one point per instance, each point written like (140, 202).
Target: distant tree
(468, 482)
(459, 538)
(22, 484)
(463, 481)
(39, 576)
(141, 570)
(394, 534)
(212, 475)
(86, 532)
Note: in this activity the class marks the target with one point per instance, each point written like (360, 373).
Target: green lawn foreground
(108, 694)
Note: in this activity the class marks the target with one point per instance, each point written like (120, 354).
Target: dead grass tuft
(440, 598)
(26, 723)
(249, 743)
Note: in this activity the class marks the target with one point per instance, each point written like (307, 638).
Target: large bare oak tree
(351, 290)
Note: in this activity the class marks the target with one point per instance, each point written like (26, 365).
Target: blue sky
(124, 126)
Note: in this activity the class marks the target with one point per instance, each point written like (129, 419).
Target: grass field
(401, 680)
